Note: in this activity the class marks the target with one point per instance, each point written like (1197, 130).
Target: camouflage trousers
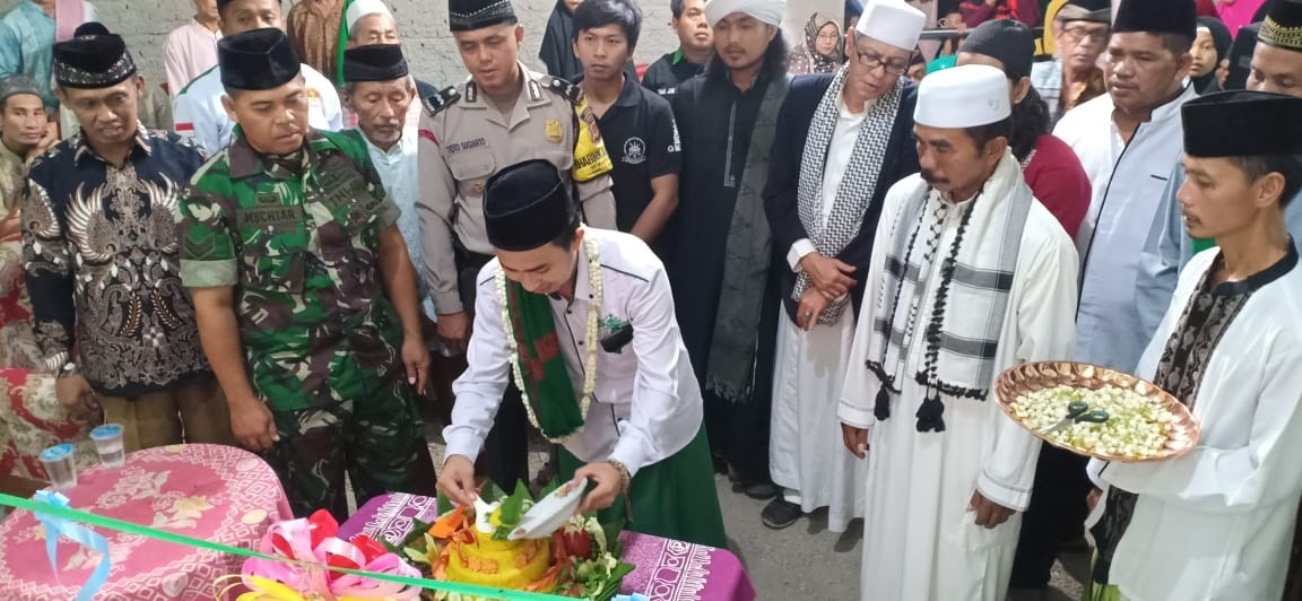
(377, 441)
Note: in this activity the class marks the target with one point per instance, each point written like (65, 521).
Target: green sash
(1201, 244)
(547, 385)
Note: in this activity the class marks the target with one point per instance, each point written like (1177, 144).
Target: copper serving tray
(1021, 380)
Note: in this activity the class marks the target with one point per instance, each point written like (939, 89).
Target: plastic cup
(60, 466)
(108, 443)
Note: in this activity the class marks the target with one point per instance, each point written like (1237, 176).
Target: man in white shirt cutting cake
(583, 320)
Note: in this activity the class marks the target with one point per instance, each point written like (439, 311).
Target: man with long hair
(722, 284)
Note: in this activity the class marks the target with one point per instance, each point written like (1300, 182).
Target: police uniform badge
(441, 100)
(554, 132)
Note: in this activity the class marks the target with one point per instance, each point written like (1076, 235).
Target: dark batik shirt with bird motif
(103, 264)
(298, 238)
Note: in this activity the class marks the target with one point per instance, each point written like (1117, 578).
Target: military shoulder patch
(441, 100)
(562, 86)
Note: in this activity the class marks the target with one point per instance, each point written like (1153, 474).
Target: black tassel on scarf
(882, 409)
(929, 414)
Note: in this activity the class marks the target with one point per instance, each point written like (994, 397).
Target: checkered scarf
(975, 274)
(858, 185)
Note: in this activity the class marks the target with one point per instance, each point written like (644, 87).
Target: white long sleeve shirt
(647, 402)
(199, 114)
(1217, 524)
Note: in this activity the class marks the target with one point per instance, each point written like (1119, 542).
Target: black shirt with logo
(642, 140)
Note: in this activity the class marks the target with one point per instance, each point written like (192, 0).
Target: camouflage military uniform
(298, 237)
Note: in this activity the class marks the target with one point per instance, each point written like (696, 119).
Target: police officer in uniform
(502, 115)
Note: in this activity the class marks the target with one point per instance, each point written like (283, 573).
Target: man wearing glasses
(843, 139)
(1073, 77)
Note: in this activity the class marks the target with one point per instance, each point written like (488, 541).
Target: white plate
(551, 512)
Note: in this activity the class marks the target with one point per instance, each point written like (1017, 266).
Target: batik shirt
(102, 260)
(298, 237)
(13, 176)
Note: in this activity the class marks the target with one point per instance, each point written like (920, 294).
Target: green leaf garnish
(511, 510)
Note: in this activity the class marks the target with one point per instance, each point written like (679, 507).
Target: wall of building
(423, 24)
(424, 28)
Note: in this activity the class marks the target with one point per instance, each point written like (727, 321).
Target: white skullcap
(767, 11)
(892, 22)
(962, 97)
(364, 8)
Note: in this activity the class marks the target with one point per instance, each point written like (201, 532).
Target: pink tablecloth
(667, 570)
(222, 494)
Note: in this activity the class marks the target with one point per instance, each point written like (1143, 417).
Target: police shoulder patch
(562, 86)
(441, 100)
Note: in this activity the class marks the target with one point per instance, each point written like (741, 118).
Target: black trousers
(505, 454)
(1056, 515)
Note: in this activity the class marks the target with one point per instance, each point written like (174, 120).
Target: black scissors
(1078, 411)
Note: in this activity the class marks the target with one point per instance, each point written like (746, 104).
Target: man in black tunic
(724, 289)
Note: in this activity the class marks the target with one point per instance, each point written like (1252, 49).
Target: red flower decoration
(371, 549)
(323, 526)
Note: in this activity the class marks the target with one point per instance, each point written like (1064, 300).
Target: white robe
(806, 456)
(920, 541)
(1217, 524)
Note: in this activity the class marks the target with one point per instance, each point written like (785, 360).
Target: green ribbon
(186, 541)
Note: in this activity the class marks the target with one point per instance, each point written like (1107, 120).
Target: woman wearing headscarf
(557, 50)
(823, 50)
(1210, 55)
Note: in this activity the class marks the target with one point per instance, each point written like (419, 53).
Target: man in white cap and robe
(726, 296)
(970, 275)
(843, 140)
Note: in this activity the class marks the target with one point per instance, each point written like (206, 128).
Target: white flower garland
(590, 339)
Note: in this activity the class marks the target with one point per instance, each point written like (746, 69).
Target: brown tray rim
(1193, 428)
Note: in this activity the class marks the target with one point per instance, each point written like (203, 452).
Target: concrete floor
(805, 561)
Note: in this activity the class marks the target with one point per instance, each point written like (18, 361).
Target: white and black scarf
(976, 275)
(858, 185)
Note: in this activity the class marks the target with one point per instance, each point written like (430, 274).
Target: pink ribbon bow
(313, 540)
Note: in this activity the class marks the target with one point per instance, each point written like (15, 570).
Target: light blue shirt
(1128, 179)
(1046, 78)
(27, 45)
(1169, 248)
(398, 171)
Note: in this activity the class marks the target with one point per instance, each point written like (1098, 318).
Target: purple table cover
(666, 570)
